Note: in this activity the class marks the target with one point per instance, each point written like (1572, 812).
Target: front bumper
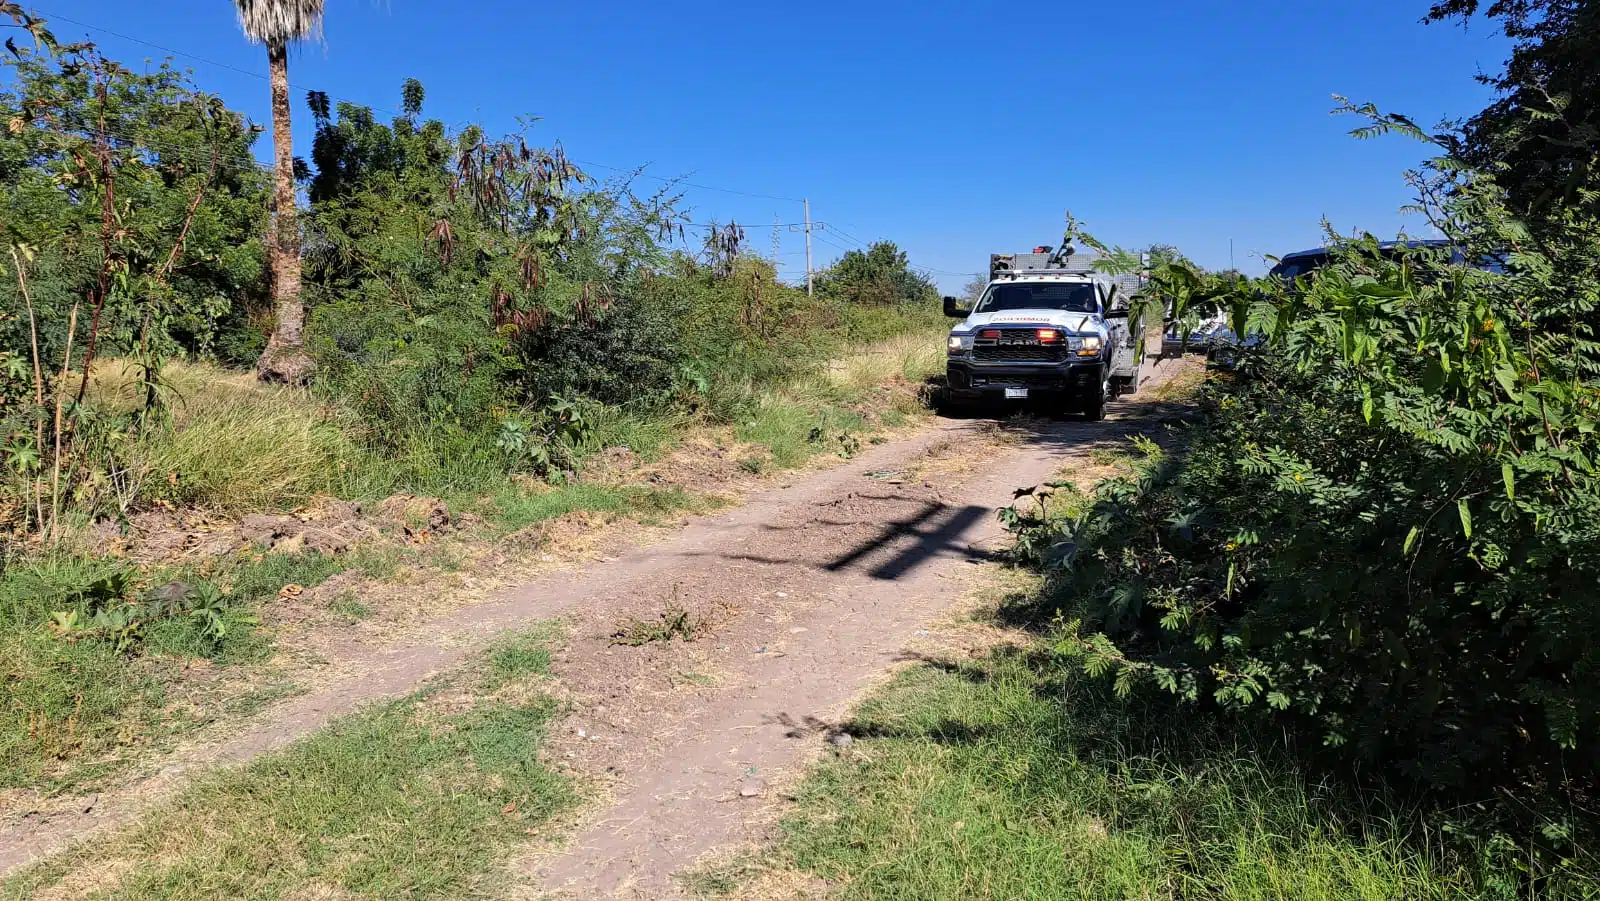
(989, 381)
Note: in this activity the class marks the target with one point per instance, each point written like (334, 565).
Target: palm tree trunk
(285, 359)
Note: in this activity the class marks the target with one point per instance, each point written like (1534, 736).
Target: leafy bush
(631, 354)
(1387, 524)
(881, 275)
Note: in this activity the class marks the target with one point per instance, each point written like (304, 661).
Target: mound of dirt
(168, 536)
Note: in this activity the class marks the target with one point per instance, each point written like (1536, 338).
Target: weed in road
(1110, 456)
(405, 800)
(347, 606)
(674, 621)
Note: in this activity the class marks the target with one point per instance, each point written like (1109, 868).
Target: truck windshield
(1074, 297)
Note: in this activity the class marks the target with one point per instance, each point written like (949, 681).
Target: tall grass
(1011, 777)
(805, 414)
(233, 444)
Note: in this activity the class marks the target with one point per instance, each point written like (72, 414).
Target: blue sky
(955, 129)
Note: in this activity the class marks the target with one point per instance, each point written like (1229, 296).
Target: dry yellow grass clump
(231, 442)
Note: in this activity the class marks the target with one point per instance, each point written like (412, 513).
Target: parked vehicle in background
(1224, 349)
(1049, 328)
(1175, 342)
(1294, 265)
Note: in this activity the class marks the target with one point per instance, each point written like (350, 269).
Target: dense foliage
(135, 212)
(1542, 128)
(1387, 523)
(881, 274)
(472, 301)
(163, 133)
(462, 285)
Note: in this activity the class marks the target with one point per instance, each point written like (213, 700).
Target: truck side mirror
(953, 307)
(1121, 313)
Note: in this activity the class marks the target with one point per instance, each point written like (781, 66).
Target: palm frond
(275, 22)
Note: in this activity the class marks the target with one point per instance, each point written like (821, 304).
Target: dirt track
(811, 589)
(823, 586)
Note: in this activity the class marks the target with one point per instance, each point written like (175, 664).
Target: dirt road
(824, 585)
(807, 591)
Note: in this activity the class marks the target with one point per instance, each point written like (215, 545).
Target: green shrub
(629, 355)
(1389, 524)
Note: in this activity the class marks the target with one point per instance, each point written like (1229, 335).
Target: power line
(197, 157)
(834, 244)
(636, 172)
(844, 234)
(153, 45)
(925, 270)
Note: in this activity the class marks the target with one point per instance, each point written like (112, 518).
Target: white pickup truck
(1047, 328)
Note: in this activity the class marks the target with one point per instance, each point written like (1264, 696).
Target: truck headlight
(959, 344)
(1090, 346)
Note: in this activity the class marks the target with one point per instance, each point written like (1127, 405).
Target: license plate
(1016, 393)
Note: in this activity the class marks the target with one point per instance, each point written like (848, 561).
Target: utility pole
(777, 241)
(807, 203)
(808, 227)
(1230, 256)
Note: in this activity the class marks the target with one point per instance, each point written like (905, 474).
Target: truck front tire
(1094, 407)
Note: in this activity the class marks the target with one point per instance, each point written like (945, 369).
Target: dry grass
(912, 357)
(232, 444)
(1183, 385)
(872, 385)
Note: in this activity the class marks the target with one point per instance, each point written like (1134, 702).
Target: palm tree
(278, 23)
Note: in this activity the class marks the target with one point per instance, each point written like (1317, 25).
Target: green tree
(1544, 128)
(456, 275)
(163, 134)
(880, 275)
(277, 24)
(134, 212)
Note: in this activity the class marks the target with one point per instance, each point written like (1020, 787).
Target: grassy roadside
(1007, 773)
(416, 798)
(84, 704)
(1013, 776)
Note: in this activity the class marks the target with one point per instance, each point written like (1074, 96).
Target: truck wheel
(1094, 408)
(946, 404)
